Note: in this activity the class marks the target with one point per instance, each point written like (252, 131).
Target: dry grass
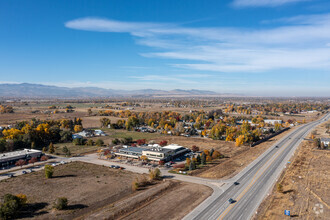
(305, 184)
(87, 186)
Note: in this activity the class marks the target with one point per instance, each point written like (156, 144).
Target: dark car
(113, 166)
(231, 201)
(11, 175)
(24, 172)
(236, 183)
(117, 167)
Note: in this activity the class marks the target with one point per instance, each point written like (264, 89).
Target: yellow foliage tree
(78, 128)
(239, 140)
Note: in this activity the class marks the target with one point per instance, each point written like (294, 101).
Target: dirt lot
(305, 185)
(86, 186)
(98, 192)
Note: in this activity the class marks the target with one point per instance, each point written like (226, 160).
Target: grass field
(74, 149)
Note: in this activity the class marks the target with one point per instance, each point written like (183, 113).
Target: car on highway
(231, 201)
(236, 183)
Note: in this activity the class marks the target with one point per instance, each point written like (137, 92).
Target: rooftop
(18, 153)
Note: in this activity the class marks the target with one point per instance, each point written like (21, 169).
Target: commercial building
(166, 153)
(10, 158)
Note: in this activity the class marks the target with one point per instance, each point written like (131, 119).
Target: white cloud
(263, 3)
(303, 44)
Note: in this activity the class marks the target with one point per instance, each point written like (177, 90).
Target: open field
(74, 149)
(95, 191)
(86, 186)
(305, 185)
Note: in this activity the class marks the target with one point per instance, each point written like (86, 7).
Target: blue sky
(251, 47)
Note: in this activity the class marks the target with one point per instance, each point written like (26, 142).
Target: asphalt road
(255, 181)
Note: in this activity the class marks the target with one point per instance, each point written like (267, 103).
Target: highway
(254, 182)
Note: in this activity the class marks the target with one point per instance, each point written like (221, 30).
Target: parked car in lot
(24, 172)
(11, 175)
(63, 162)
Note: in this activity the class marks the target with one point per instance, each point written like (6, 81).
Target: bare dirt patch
(305, 185)
(168, 200)
(87, 187)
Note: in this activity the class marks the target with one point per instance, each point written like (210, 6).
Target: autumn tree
(239, 140)
(195, 148)
(33, 160)
(20, 163)
(78, 128)
(163, 143)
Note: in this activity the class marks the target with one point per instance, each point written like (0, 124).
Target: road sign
(287, 212)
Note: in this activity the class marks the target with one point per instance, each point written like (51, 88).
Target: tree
(211, 152)
(116, 141)
(33, 160)
(155, 174)
(44, 158)
(49, 171)
(89, 112)
(198, 159)
(239, 140)
(163, 143)
(44, 149)
(203, 159)
(195, 148)
(279, 188)
(51, 148)
(216, 154)
(144, 158)
(90, 142)
(61, 203)
(20, 163)
(141, 142)
(65, 150)
(10, 206)
(105, 122)
(192, 165)
(99, 142)
(78, 128)
(208, 158)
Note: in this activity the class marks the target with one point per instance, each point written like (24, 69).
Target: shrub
(154, 174)
(208, 158)
(163, 143)
(44, 158)
(216, 154)
(49, 171)
(116, 141)
(99, 142)
(90, 142)
(61, 203)
(195, 148)
(177, 166)
(10, 206)
(79, 141)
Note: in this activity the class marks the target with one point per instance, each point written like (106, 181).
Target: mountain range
(27, 90)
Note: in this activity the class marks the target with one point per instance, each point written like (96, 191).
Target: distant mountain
(27, 90)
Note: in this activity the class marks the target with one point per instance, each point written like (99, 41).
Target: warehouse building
(10, 158)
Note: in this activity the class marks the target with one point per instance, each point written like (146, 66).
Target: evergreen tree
(198, 159)
(203, 159)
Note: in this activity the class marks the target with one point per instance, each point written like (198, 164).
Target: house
(325, 141)
(99, 133)
(85, 133)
